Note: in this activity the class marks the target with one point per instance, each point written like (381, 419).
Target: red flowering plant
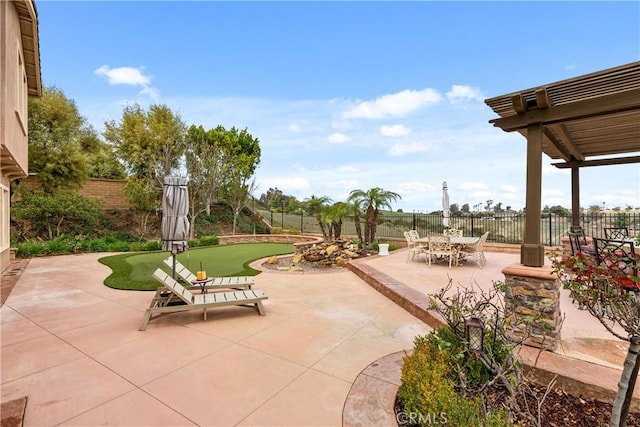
(609, 290)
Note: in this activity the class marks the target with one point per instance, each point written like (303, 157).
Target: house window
(22, 93)
(4, 218)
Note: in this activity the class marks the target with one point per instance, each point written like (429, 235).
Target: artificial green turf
(134, 271)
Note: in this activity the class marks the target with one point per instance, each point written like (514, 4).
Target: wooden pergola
(590, 120)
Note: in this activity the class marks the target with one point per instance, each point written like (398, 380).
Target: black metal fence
(503, 228)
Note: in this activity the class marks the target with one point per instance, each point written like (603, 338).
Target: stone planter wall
(534, 292)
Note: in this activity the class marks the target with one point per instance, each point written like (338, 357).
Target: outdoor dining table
(458, 241)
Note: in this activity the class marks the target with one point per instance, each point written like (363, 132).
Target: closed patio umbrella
(175, 207)
(445, 205)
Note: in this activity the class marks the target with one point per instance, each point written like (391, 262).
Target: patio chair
(476, 250)
(233, 282)
(579, 244)
(621, 253)
(413, 246)
(440, 246)
(452, 232)
(616, 233)
(172, 297)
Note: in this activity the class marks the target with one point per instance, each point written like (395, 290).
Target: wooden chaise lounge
(233, 282)
(172, 297)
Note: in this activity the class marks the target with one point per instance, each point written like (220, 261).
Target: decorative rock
(272, 260)
(334, 254)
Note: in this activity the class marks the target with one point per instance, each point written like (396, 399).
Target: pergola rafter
(590, 120)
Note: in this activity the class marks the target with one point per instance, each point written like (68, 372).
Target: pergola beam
(565, 138)
(597, 162)
(578, 110)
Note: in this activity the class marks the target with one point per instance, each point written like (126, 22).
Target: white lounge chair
(172, 297)
(233, 282)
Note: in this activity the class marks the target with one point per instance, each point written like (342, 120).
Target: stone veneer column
(535, 292)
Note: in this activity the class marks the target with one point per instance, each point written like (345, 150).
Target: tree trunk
(626, 385)
(356, 221)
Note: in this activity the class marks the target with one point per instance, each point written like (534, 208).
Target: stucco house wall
(19, 79)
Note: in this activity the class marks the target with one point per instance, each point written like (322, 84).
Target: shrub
(97, 245)
(59, 245)
(30, 248)
(119, 246)
(204, 241)
(429, 385)
(53, 215)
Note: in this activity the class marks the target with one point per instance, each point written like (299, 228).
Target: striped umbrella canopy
(445, 205)
(175, 207)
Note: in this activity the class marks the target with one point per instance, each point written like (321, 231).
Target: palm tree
(332, 216)
(372, 201)
(315, 205)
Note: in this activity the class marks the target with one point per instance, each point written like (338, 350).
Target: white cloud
(294, 128)
(124, 76)
(285, 184)
(473, 186)
(338, 138)
(509, 188)
(461, 93)
(395, 131)
(348, 169)
(394, 105)
(402, 149)
(128, 76)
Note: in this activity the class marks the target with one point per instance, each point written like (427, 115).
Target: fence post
(550, 230)
(472, 230)
(301, 221)
(413, 221)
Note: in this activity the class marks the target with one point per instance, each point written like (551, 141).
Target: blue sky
(350, 95)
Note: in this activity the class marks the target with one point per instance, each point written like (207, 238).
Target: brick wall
(110, 191)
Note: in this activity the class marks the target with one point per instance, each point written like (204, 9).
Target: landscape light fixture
(474, 332)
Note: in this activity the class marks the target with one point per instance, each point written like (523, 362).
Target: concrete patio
(72, 346)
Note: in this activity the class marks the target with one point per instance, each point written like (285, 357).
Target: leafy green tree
(101, 159)
(56, 129)
(560, 211)
(372, 201)
(488, 205)
(206, 168)
(242, 157)
(149, 143)
(465, 208)
(271, 198)
(454, 209)
(144, 197)
(593, 209)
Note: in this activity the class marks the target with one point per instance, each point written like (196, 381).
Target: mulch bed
(12, 412)
(559, 410)
(10, 277)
